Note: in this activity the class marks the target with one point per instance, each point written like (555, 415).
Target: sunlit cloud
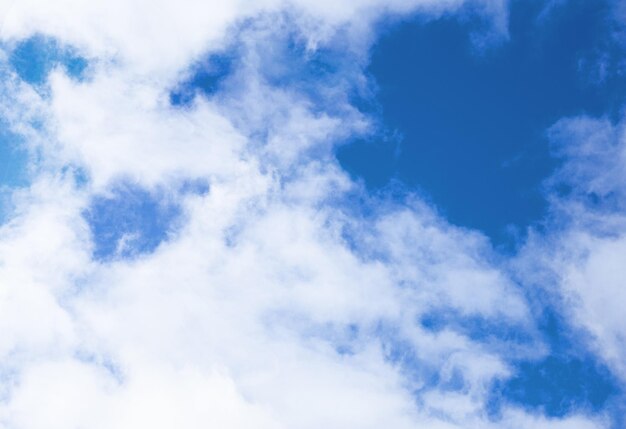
(184, 248)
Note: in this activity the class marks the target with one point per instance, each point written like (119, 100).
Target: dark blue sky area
(472, 122)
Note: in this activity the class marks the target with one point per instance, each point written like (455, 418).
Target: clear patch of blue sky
(31, 60)
(557, 386)
(205, 78)
(570, 379)
(470, 126)
(477, 328)
(13, 164)
(34, 58)
(130, 222)
(12, 158)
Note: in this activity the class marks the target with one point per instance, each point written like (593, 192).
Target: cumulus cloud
(272, 301)
(584, 251)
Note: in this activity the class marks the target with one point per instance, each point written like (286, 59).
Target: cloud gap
(130, 222)
(34, 58)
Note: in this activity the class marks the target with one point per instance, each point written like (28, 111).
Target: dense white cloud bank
(272, 304)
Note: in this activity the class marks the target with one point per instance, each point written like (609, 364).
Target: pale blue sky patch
(12, 158)
(130, 222)
(13, 167)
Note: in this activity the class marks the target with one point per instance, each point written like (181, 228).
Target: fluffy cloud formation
(272, 300)
(165, 39)
(585, 254)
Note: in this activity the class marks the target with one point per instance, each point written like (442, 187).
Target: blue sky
(312, 214)
(444, 100)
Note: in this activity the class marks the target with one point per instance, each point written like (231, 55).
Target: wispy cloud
(277, 293)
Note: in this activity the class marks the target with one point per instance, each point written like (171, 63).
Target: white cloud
(583, 256)
(117, 128)
(160, 37)
(273, 305)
